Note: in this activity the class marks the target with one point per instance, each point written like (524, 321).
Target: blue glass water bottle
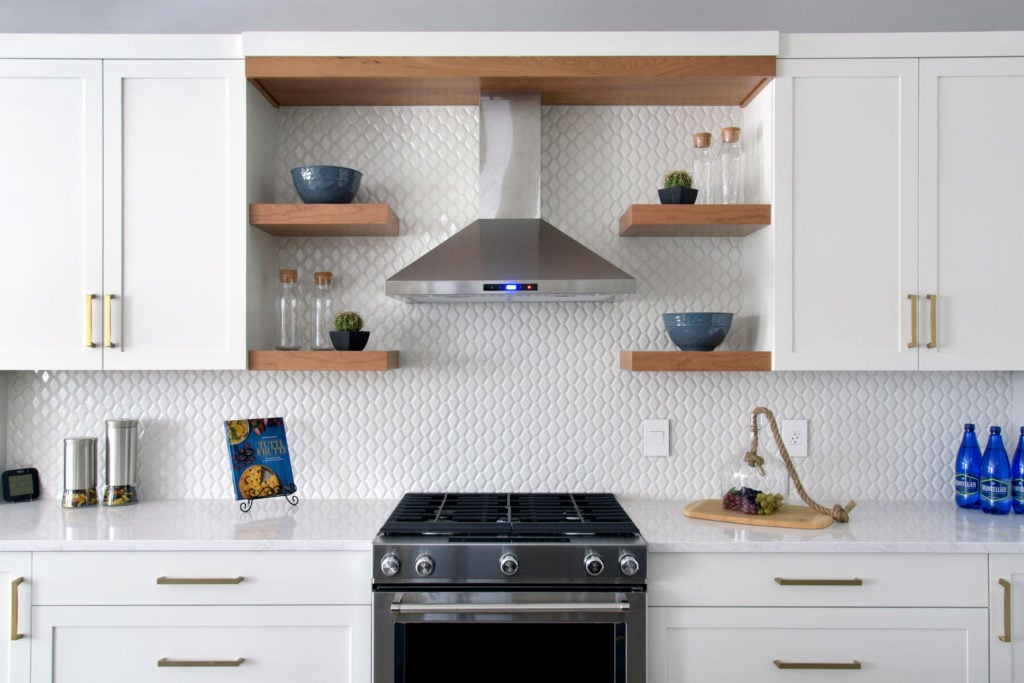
(1017, 476)
(995, 475)
(968, 470)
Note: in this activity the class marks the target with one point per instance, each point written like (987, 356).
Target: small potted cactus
(349, 335)
(678, 189)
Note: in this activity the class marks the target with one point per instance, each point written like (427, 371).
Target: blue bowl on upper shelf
(326, 184)
(697, 331)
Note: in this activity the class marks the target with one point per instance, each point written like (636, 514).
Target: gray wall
(233, 16)
(3, 420)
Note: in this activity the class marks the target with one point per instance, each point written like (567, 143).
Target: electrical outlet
(794, 435)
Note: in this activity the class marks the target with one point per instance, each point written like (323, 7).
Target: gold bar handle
(106, 321)
(913, 321)
(1007, 636)
(816, 665)
(14, 608)
(170, 581)
(164, 661)
(88, 321)
(819, 582)
(933, 300)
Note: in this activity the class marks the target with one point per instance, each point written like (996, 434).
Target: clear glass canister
(286, 311)
(705, 174)
(323, 312)
(732, 167)
(756, 484)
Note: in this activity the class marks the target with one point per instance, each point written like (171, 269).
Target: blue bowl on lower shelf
(326, 184)
(697, 331)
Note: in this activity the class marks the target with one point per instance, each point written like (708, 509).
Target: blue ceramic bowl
(697, 331)
(326, 184)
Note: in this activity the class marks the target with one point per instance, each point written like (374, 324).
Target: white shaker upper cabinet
(51, 216)
(174, 213)
(845, 213)
(972, 229)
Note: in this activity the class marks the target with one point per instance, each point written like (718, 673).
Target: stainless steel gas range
(509, 587)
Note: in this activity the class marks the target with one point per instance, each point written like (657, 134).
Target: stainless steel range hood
(509, 254)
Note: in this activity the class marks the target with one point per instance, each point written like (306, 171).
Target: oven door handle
(509, 607)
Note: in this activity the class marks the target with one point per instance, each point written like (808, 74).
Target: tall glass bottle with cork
(705, 175)
(323, 312)
(732, 167)
(286, 311)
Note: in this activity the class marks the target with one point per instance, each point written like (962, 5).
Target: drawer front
(190, 644)
(202, 578)
(818, 580)
(695, 645)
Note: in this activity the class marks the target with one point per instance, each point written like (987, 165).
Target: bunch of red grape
(751, 501)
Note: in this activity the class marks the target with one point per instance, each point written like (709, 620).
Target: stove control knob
(509, 564)
(628, 564)
(390, 564)
(424, 565)
(594, 564)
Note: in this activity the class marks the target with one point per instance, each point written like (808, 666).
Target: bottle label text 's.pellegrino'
(994, 490)
(966, 484)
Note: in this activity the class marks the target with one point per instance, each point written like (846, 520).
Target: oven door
(463, 636)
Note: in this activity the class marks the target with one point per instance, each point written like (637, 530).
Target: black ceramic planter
(677, 195)
(349, 341)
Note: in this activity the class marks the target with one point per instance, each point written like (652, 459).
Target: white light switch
(656, 438)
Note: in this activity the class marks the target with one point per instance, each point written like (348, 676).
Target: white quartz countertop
(875, 526)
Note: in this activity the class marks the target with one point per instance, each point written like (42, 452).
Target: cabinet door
(888, 645)
(51, 213)
(15, 625)
(1006, 640)
(174, 213)
(972, 236)
(845, 214)
(191, 644)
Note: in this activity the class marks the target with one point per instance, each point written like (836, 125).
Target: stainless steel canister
(121, 462)
(79, 471)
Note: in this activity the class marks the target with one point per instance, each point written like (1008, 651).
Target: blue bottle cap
(995, 430)
(970, 427)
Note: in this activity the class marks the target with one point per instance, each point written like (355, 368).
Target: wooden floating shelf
(323, 360)
(694, 220)
(389, 81)
(324, 220)
(696, 361)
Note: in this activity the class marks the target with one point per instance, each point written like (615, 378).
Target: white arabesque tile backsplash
(496, 396)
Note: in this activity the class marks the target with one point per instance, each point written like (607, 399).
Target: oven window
(507, 652)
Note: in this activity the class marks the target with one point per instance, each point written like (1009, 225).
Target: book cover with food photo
(260, 463)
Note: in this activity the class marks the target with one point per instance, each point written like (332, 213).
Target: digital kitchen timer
(20, 485)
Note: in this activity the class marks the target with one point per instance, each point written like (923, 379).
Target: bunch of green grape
(767, 503)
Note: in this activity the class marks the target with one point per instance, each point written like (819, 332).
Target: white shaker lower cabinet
(260, 617)
(1006, 622)
(16, 625)
(845, 213)
(737, 617)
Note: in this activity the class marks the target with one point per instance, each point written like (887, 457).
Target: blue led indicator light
(510, 288)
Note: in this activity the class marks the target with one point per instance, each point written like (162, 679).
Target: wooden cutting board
(789, 516)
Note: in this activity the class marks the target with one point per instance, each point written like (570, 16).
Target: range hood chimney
(510, 254)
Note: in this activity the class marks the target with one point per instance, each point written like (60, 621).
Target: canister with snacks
(121, 462)
(79, 471)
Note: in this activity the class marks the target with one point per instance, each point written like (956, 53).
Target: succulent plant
(678, 178)
(348, 321)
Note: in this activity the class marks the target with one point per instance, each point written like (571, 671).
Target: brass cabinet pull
(170, 581)
(933, 300)
(816, 665)
(164, 661)
(106, 321)
(819, 582)
(1007, 636)
(88, 320)
(14, 608)
(913, 321)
